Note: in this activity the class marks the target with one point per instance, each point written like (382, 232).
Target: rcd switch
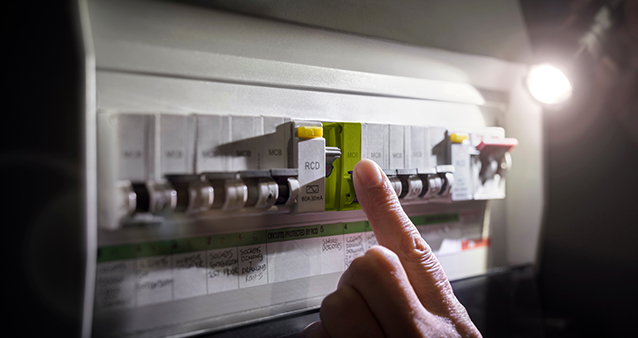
(309, 158)
(460, 150)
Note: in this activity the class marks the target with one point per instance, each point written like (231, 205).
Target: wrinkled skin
(397, 289)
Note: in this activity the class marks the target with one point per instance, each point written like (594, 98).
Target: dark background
(40, 163)
(586, 280)
(588, 272)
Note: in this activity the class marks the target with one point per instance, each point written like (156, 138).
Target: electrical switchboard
(224, 166)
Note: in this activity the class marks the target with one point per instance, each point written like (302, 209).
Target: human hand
(397, 289)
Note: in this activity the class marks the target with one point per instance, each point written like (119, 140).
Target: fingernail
(368, 173)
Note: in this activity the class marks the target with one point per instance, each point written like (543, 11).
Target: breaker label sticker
(134, 275)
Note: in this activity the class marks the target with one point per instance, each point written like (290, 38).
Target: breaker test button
(309, 132)
(459, 138)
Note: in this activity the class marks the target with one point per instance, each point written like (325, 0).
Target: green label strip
(435, 219)
(354, 227)
(186, 245)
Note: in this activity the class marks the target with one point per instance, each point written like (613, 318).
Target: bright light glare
(548, 84)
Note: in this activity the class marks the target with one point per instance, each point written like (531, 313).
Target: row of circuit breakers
(155, 165)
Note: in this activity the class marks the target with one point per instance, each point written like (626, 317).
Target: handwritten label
(371, 240)
(132, 275)
(114, 285)
(189, 274)
(154, 280)
(354, 247)
(252, 265)
(223, 270)
(332, 254)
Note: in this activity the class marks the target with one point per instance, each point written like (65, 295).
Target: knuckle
(414, 249)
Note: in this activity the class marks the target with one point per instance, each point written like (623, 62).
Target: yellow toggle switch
(309, 132)
(459, 138)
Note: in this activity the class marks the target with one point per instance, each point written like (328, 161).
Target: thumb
(395, 231)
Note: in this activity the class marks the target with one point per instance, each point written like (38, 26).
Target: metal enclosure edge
(89, 161)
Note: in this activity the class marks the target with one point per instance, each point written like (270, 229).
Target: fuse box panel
(293, 171)
(224, 186)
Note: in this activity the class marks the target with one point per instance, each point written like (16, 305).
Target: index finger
(394, 230)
